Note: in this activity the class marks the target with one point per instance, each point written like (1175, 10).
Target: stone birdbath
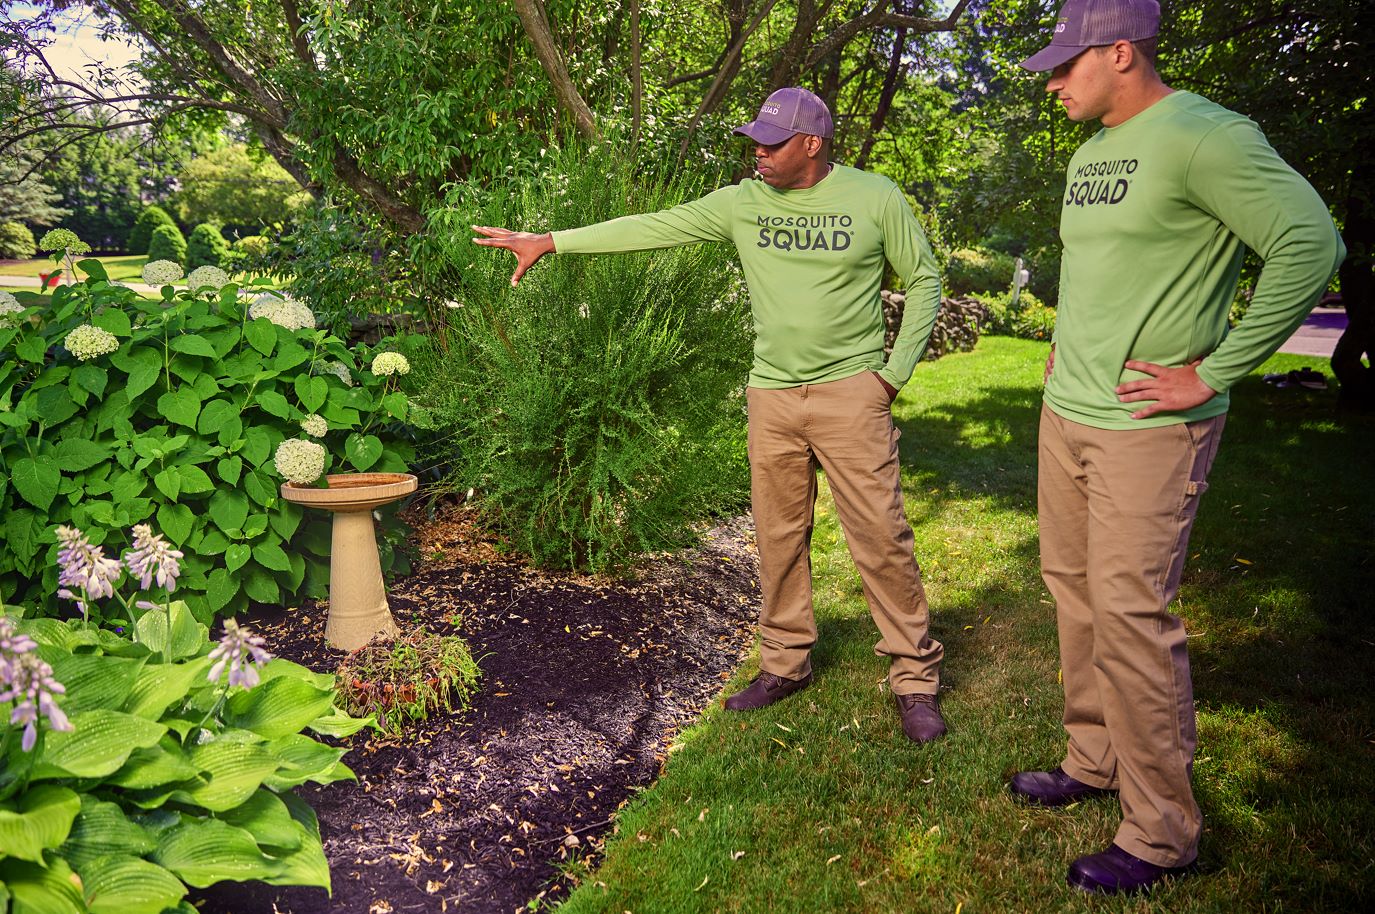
(358, 609)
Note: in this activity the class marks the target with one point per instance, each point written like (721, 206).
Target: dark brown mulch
(584, 682)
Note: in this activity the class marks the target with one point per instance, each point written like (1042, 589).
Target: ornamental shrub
(16, 241)
(206, 247)
(141, 235)
(179, 423)
(1028, 317)
(971, 270)
(598, 407)
(167, 243)
(155, 761)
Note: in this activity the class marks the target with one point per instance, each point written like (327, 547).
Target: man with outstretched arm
(813, 237)
(1158, 208)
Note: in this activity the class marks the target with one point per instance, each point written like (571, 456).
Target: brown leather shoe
(765, 690)
(921, 717)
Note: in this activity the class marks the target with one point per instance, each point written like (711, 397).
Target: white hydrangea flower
(314, 425)
(390, 363)
(9, 306)
(299, 460)
(207, 275)
(338, 369)
(282, 310)
(89, 341)
(161, 272)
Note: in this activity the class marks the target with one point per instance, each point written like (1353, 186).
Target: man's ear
(1123, 55)
(813, 145)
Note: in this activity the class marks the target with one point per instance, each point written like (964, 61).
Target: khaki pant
(846, 428)
(1115, 509)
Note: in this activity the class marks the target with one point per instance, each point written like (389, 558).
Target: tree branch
(532, 18)
(879, 17)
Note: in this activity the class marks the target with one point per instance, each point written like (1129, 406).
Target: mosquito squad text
(830, 232)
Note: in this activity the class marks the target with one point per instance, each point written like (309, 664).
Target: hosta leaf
(41, 819)
(173, 631)
(128, 885)
(232, 771)
(95, 681)
(202, 852)
(278, 707)
(97, 746)
(302, 759)
(267, 819)
(103, 828)
(161, 685)
(37, 890)
(339, 724)
(154, 767)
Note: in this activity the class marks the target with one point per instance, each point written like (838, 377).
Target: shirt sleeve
(906, 247)
(705, 219)
(1238, 178)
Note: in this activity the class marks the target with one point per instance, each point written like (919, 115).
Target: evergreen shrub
(167, 243)
(141, 235)
(206, 247)
(1028, 318)
(971, 270)
(16, 241)
(598, 407)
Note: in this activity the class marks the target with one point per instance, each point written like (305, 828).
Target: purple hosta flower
(242, 652)
(86, 573)
(29, 683)
(12, 644)
(152, 556)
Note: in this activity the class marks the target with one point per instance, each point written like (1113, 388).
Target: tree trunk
(537, 29)
(1358, 296)
(637, 85)
(885, 98)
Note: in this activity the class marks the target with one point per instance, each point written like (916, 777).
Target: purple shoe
(1116, 872)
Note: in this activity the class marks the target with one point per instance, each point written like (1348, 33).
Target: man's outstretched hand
(1173, 389)
(527, 246)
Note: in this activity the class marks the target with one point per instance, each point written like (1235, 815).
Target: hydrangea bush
(137, 765)
(116, 410)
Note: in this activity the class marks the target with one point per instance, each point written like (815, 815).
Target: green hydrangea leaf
(36, 481)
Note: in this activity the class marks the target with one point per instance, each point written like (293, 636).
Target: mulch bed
(584, 683)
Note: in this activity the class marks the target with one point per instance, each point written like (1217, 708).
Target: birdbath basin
(358, 609)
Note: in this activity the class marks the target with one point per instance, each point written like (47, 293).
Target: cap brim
(1050, 57)
(766, 134)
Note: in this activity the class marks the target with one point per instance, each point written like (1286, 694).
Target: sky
(77, 43)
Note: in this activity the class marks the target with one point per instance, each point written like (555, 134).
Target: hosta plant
(135, 765)
(117, 410)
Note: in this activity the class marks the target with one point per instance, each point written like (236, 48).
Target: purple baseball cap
(1084, 24)
(787, 112)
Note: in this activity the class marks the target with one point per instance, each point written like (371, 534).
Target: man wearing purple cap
(1158, 209)
(813, 237)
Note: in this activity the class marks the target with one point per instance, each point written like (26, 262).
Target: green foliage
(974, 269)
(251, 246)
(167, 243)
(237, 186)
(179, 424)
(597, 407)
(206, 247)
(16, 241)
(404, 680)
(1028, 317)
(141, 235)
(99, 182)
(167, 779)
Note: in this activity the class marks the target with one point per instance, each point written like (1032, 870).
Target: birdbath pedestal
(358, 609)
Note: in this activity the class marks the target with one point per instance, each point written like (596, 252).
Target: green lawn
(122, 268)
(819, 804)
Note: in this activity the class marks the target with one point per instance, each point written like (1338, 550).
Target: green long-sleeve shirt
(1156, 215)
(813, 261)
